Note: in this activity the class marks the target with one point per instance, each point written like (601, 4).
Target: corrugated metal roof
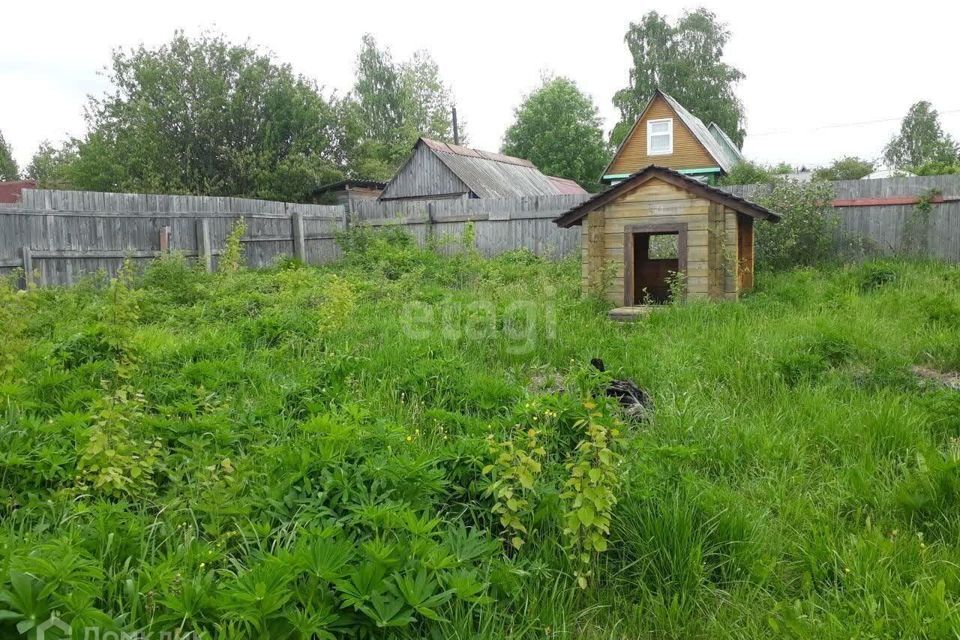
(445, 147)
(730, 148)
(494, 175)
(715, 147)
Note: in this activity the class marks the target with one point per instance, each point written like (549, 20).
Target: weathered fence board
(71, 233)
(499, 224)
(895, 228)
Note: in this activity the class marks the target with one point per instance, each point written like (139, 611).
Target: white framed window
(660, 137)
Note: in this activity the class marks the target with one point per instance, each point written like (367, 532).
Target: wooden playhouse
(657, 223)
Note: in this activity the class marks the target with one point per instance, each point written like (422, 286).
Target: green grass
(300, 452)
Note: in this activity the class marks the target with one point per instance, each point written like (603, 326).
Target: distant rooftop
(10, 191)
(495, 175)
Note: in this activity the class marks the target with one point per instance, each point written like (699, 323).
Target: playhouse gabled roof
(575, 215)
(714, 140)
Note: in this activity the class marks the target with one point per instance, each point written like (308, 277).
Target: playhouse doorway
(652, 254)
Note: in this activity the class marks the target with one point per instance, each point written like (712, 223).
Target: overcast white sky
(823, 79)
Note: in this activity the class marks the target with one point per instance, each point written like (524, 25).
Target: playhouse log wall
(712, 241)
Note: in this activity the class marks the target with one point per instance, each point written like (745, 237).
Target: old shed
(657, 223)
(346, 192)
(437, 170)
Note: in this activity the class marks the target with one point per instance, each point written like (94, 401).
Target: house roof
(567, 187)
(10, 192)
(729, 147)
(575, 215)
(887, 172)
(717, 143)
(494, 175)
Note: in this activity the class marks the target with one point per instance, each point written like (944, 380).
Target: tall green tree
(206, 116)
(8, 165)
(921, 140)
(686, 61)
(558, 128)
(847, 168)
(431, 99)
(382, 101)
(390, 106)
(52, 166)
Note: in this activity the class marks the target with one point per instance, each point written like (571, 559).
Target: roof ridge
(694, 124)
(682, 110)
(702, 133)
(470, 152)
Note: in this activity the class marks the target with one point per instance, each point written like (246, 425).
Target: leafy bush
(846, 168)
(749, 173)
(937, 169)
(807, 232)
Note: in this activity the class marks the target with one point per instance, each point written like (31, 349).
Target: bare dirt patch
(949, 379)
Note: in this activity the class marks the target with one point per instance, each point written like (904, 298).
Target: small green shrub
(873, 276)
(233, 253)
(109, 458)
(174, 280)
(14, 309)
(83, 348)
(590, 493)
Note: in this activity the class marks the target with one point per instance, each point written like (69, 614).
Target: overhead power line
(842, 125)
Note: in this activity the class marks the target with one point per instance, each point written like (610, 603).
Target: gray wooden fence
(56, 237)
(884, 215)
(499, 224)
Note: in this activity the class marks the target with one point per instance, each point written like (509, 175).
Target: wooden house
(668, 135)
(437, 170)
(657, 223)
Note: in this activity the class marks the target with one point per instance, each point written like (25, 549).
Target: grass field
(358, 451)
